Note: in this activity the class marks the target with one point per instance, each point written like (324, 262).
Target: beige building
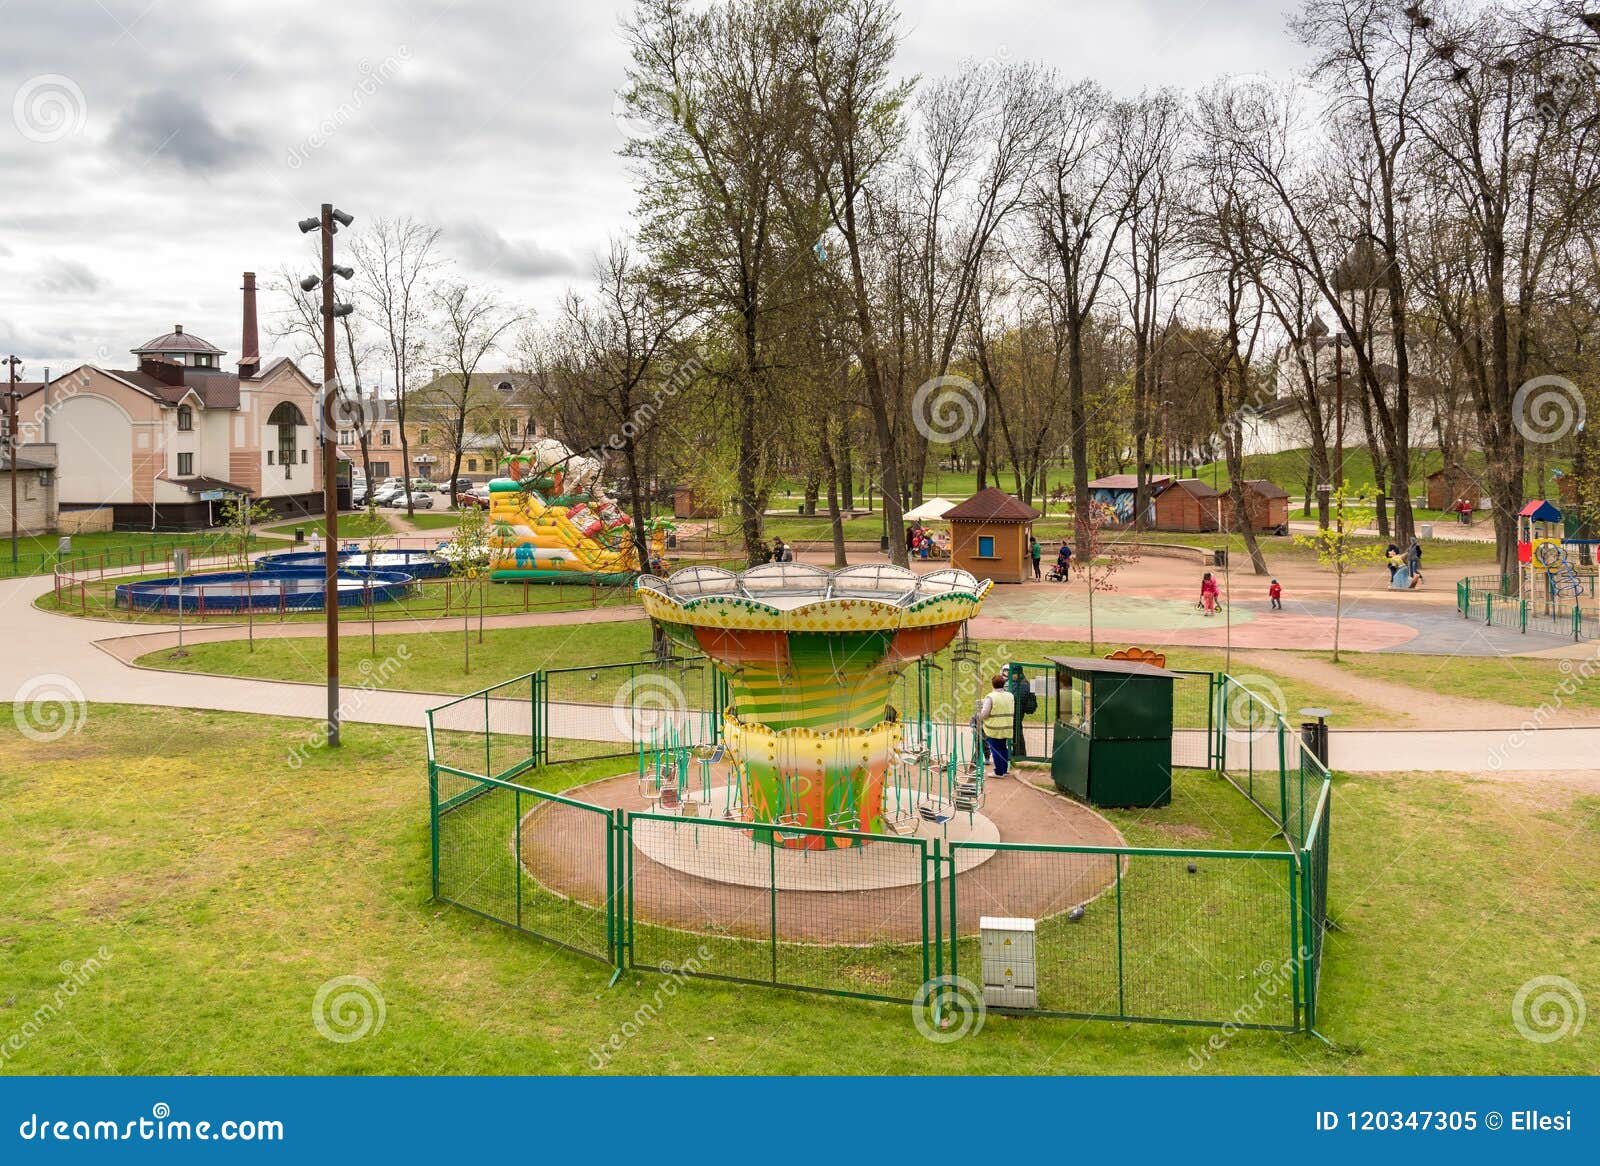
(162, 443)
(36, 490)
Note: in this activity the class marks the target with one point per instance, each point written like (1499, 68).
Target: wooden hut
(1266, 505)
(1187, 504)
(1117, 491)
(989, 535)
(687, 502)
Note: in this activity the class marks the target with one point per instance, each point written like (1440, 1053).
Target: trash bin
(299, 535)
(883, 543)
(1314, 735)
(1219, 557)
(1427, 529)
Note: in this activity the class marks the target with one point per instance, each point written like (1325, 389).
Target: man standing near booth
(996, 719)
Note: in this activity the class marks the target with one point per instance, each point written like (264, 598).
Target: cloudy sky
(157, 149)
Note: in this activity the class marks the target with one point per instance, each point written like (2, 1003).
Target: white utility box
(1010, 976)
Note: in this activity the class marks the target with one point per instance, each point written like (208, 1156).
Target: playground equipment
(551, 519)
(1549, 576)
(811, 659)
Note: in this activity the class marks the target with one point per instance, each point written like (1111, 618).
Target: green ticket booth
(1113, 731)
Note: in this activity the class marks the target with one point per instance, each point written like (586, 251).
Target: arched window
(287, 418)
(185, 419)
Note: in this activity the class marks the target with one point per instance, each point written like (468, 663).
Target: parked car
(477, 496)
(420, 500)
(464, 485)
(389, 494)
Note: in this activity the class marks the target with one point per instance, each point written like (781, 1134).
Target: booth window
(985, 546)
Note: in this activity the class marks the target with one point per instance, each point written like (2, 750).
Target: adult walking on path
(1037, 551)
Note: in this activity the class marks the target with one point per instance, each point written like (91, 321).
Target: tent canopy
(929, 511)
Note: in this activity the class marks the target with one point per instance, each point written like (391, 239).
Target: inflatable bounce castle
(550, 518)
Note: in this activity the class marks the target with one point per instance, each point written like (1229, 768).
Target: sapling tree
(1340, 549)
(467, 552)
(241, 514)
(1100, 555)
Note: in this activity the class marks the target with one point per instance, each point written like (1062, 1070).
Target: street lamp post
(11, 447)
(329, 223)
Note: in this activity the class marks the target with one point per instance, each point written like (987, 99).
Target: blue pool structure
(417, 564)
(294, 581)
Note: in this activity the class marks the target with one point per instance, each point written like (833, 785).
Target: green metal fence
(1494, 600)
(1125, 933)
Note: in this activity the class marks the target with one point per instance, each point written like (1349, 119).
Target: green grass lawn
(434, 664)
(218, 886)
(1521, 682)
(433, 659)
(354, 525)
(434, 519)
(116, 549)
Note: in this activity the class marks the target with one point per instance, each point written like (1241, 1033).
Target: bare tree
(395, 268)
(1079, 210)
(470, 325)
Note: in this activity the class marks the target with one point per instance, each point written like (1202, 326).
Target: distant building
(162, 443)
(500, 421)
(36, 489)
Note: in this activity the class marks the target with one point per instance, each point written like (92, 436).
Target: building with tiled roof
(160, 443)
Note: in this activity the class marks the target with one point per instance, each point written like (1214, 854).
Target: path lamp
(329, 222)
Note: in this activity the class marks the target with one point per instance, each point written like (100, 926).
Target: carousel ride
(811, 737)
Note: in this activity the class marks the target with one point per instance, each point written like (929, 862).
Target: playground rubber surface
(694, 894)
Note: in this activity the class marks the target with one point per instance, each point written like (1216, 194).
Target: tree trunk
(830, 466)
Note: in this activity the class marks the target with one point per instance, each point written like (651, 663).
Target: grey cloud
(166, 127)
(481, 246)
(67, 277)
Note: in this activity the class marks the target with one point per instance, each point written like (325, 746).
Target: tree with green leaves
(1340, 549)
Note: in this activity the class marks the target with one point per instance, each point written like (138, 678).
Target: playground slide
(563, 537)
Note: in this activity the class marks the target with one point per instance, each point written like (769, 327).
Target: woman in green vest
(997, 718)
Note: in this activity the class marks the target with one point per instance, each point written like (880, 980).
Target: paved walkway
(77, 660)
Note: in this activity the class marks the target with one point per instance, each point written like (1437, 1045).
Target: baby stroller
(1055, 574)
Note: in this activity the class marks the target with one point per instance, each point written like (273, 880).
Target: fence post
(1283, 784)
(1122, 999)
(1522, 617)
(516, 834)
(1488, 608)
(433, 809)
(1297, 898)
(488, 749)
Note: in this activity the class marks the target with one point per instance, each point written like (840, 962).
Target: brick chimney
(250, 346)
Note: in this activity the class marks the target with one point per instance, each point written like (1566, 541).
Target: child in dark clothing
(1276, 591)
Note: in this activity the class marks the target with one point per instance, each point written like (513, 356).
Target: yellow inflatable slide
(551, 519)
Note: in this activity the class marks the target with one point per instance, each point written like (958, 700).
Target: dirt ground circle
(1036, 885)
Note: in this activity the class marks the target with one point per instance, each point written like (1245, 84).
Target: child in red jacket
(1277, 596)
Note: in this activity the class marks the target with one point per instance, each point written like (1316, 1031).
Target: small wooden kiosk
(989, 535)
(1187, 504)
(1113, 731)
(1266, 507)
